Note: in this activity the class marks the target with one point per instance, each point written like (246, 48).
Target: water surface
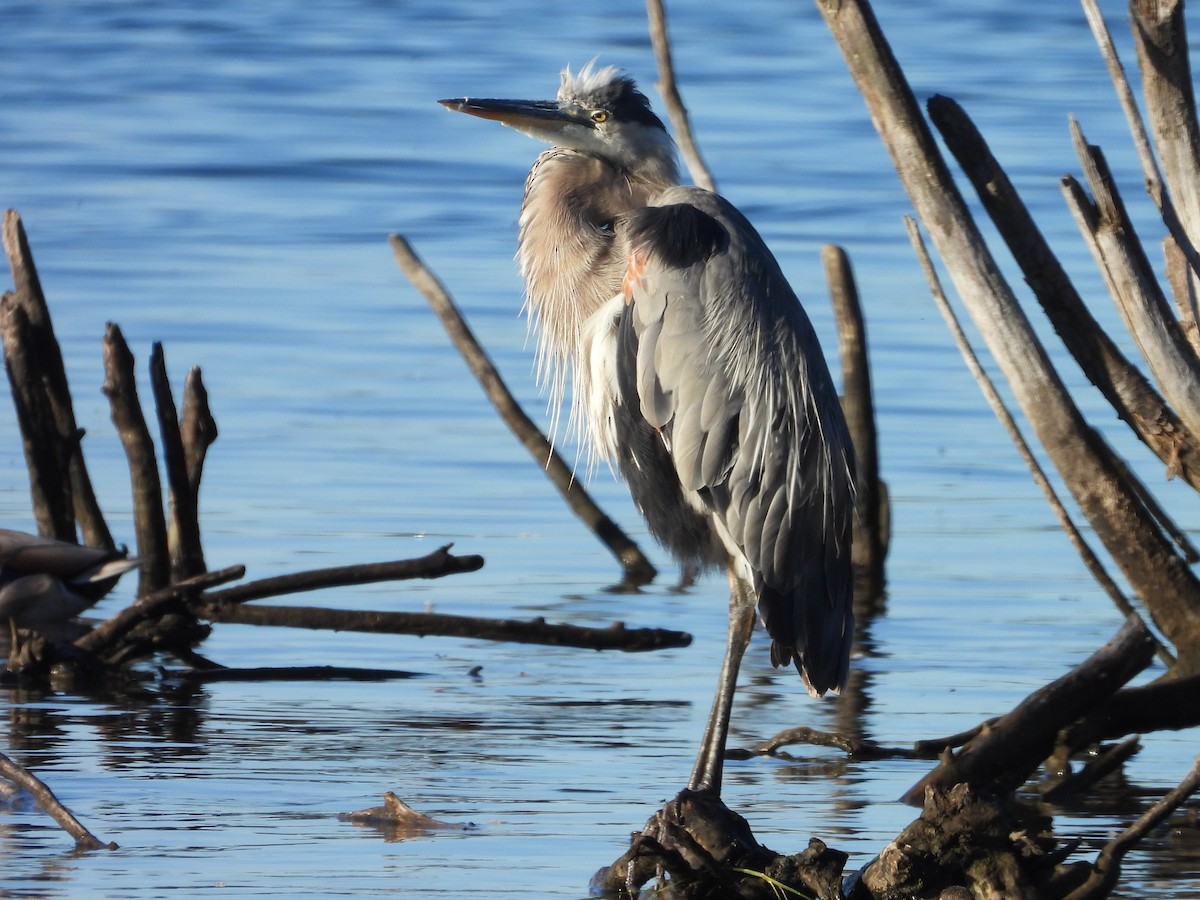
(223, 180)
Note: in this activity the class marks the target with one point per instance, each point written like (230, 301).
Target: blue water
(223, 180)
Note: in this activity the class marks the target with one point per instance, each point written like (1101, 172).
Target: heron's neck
(571, 251)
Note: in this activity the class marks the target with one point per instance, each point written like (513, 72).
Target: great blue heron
(694, 368)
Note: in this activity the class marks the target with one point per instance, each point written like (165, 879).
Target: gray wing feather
(731, 374)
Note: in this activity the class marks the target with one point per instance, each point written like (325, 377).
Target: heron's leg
(711, 761)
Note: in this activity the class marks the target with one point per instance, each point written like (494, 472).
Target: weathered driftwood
(1110, 235)
(872, 521)
(1093, 563)
(149, 522)
(1135, 400)
(1160, 39)
(669, 90)
(637, 568)
(46, 383)
(1006, 753)
(51, 805)
(1160, 576)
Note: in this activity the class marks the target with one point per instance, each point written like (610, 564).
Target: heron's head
(597, 111)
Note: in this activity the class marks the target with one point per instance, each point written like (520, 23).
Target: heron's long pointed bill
(539, 118)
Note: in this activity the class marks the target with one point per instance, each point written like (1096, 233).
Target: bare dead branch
(208, 675)
(853, 747)
(994, 400)
(535, 631)
(669, 91)
(45, 449)
(50, 804)
(1107, 761)
(1123, 385)
(150, 525)
(637, 569)
(1183, 291)
(437, 564)
(1165, 704)
(1160, 39)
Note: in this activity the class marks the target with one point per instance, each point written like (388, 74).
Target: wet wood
(534, 631)
(46, 453)
(104, 639)
(636, 567)
(51, 805)
(197, 430)
(183, 531)
(708, 850)
(210, 673)
(397, 817)
(149, 521)
(1123, 385)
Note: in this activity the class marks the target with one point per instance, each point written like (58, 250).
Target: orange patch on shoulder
(633, 276)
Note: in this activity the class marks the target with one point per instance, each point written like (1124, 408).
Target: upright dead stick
(676, 111)
(871, 503)
(47, 365)
(183, 535)
(1004, 754)
(50, 804)
(150, 525)
(637, 568)
(46, 452)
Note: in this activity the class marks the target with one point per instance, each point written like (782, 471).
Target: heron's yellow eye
(599, 116)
